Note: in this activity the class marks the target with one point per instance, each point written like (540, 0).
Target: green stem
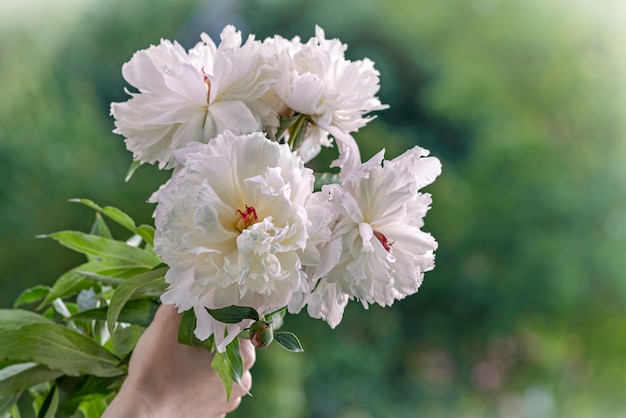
(297, 132)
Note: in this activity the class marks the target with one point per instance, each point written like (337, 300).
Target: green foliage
(92, 406)
(322, 179)
(288, 341)
(146, 232)
(150, 283)
(186, 328)
(234, 314)
(18, 377)
(58, 348)
(17, 318)
(50, 404)
(138, 312)
(229, 366)
(34, 294)
(100, 248)
(120, 283)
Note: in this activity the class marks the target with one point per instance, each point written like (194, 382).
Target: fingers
(239, 391)
(232, 404)
(246, 385)
(248, 354)
(167, 310)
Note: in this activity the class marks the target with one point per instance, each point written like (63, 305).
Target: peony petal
(188, 82)
(233, 116)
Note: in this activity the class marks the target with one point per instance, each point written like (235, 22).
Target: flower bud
(261, 334)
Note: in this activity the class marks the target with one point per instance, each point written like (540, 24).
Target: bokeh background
(523, 101)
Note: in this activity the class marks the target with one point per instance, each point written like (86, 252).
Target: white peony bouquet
(244, 231)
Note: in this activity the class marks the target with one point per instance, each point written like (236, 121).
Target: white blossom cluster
(239, 222)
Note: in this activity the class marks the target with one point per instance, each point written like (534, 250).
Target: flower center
(383, 240)
(207, 83)
(285, 110)
(247, 218)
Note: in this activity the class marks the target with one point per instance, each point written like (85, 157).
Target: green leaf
(233, 350)
(234, 314)
(138, 312)
(123, 340)
(114, 214)
(7, 403)
(128, 288)
(92, 406)
(105, 248)
(100, 227)
(68, 284)
(49, 313)
(229, 366)
(131, 170)
(15, 411)
(86, 389)
(151, 290)
(147, 233)
(17, 318)
(186, 327)
(58, 348)
(83, 276)
(144, 231)
(107, 280)
(322, 179)
(276, 319)
(115, 268)
(222, 367)
(50, 404)
(288, 341)
(38, 394)
(18, 377)
(185, 332)
(34, 294)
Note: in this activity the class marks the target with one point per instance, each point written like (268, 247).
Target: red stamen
(207, 83)
(247, 218)
(384, 241)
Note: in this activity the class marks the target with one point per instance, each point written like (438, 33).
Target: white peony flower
(193, 96)
(335, 93)
(233, 225)
(377, 246)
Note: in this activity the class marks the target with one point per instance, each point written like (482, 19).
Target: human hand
(166, 378)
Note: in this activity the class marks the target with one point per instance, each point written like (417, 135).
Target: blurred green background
(524, 102)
